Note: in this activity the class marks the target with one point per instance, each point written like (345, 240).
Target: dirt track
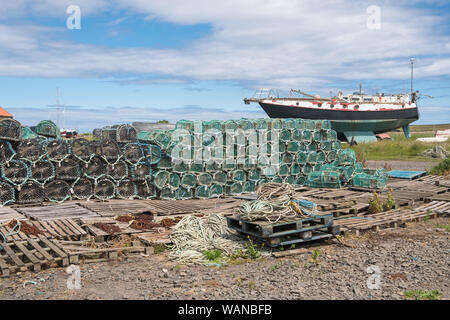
(416, 257)
(402, 165)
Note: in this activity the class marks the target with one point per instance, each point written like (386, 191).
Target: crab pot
(7, 194)
(83, 189)
(31, 150)
(165, 162)
(167, 193)
(30, 192)
(104, 189)
(126, 133)
(220, 177)
(249, 186)
(145, 190)
(10, 130)
(108, 133)
(57, 149)
(82, 149)
(203, 192)
(15, 172)
(68, 170)
(7, 152)
(235, 188)
(173, 181)
(132, 153)
(95, 168)
(117, 171)
(57, 191)
(161, 179)
(152, 152)
(110, 151)
(48, 128)
(126, 189)
(216, 191)
(180, 167)
(42, 171)
(204, 179)
(183, 193)
(141, 171)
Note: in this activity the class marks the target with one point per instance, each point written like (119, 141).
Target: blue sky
(140, 60)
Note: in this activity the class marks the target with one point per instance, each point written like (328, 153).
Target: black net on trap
(145, 190)
(95, 168)
(110, 151)
(30, 192)
(7, 152)
(57, 149)
(57, 191)
(82, 149)
(97, 132)
(118, 171)
(7, 194)
(126, 189)
(68, 169)
(83, 189)
(126, 133)
(30, 149)
(141, 171)
(133, 153)
(108, 133)
(104, 189)
(10, 129)
(42, 171)
(15, 172)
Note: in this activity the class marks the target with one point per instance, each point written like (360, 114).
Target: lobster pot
(196, 167)
(117, 171)
(261, 124)
(277, 124)
(162, 139)
(369, 181)
(141, 171)
(337, 145)
(229, 125)
(310, 124)
(7, 194)
(290, 123)
(152, 152)
(229, 166)
(290, 179)
(269, 171)
(167, 194)
(249, 186)
(212, 166)
(307, 135)
(145, 190)
(263, 181)
(245, 124)
(27, 133)
(31, 150)
(326, 146)
(212, 125)
(331, 156)
(300, 180)
(30, 192)
(108, 133)
(82, 189)
(188, 181)
(203, 192)
(48, 128)
(183, 193)
(312, 157)
(235, 188)
(173, 181)
(314, 146)
(346, 173)
(254, 175)
(276, 179)
(68, 169)
(126, 134)
(287, 158)
(95, 168)
(295, 169)
(303, 146)
(161, 179)
(297, 135)
(165, 162)
(346, 157)
(57, 191)
(15, 172)
(220, 177)
(185, 124)
(324, 179)
(321, 157)
(97, 133)
(126, 189)
(10, 130)
(292, 147)
(307, 168)
(42, 171)
(104, 189)
(238, 175)
(7, 152)
(82, 149)
(283, 170)
(332, 135)
(204, 179)
(180, 167)
(132, 153)
(216, 191)
(302, 157)
(318, 166)
(110, 151)
(57, 149)
(285, 135)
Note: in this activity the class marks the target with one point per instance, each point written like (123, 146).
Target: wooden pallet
(56, 212)
(115, 207)
(151, 238)
(441, 207)
(438, 197)
(171, 207)
(99, 234)
(7, 214)
(436, 180)
(30, 254)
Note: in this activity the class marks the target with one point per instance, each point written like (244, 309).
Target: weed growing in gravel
(427, 216)
(251, 284)
(252, 250)
(274, 267)
(315, 255)
(423, 294)
(213, 255)
(390, 201)
(442, 168)
(159, 248)
(446, 227)
(375, 204)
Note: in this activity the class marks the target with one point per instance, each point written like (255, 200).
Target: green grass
(446, 227)
(423, 294)
(213, 255)
(442, 168)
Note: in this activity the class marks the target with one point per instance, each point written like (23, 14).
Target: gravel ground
(402, 165)
(415, 257)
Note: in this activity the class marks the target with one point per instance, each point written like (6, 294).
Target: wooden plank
(52, 246)
(29, 255)
(63, 227)
(39, 249)
(12, 255)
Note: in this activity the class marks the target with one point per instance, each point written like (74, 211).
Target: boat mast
(412, 76)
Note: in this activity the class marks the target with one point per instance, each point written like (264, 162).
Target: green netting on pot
(295, 169)
(321, 157)
(216, 191)
(57, 191)
(235, 188)
(185, 124)
(42, 171)
(337, 145)
(180, 167)
(314, 146)
(249, 186)
(212, 124)
(332, 135)
(369, 181)
(307, 135)
(292, 147)
(230, 125)
(300, 181)
(31, 150)
(324, 179)
(188, 180)
(303, 146)
(145, 190)
(212, 166)
(126, 133)
(220, 177)
(57, 149)
(126, 189)
(203, 192)
(326, 124)
(326, 146)
(269, 171)
(238, 175)
(174, 181)
(287, 158)
(254, 175)
(310, 124)
(165, 162)
(27, 133)
(290, 123)
(133, 153)
(263, 181)
(10, 130)
(7, 152)
(183, 193)
(312, 157)
(104, 189)
(250, 164)
(94, 169)
(48, 128)
(161, 179)
(145, 136)
(82, 149)
(252, 151)
(110, 151)
(301, 157)
(277, 124)
(276, 179)
(297, 135)
(346, 173)
(204, 179)
(276, 147)
(346, 157)
(262, 124)
(359, 168)
(83, 189)
(152, 152)
(7, 194)
(285, 135)
(307, 168)
(331, 156)
(30, 192)
(141, 171)
(263, 160)
(320, 135)
(15, 172)
(283, 170)
(196, 167)
(300, 123)
(290, 179)
(117, 171)
(245, 124)
(318, 166)
(162, 139)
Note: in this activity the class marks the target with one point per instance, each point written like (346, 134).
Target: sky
(147, 60)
